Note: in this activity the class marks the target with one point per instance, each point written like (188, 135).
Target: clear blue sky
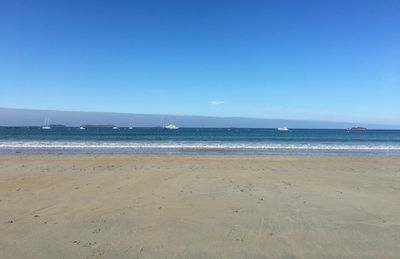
(330, 60)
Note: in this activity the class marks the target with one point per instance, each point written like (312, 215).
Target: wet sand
(135, 206)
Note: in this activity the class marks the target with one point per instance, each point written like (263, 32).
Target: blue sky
(319, 60)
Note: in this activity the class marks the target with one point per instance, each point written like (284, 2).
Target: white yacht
(46, 125)
(282, 129)
(82, 128)
(171, 127)
(115, 128)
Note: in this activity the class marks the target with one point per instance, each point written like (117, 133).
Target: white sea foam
(58, 145)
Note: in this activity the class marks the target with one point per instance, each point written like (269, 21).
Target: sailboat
(282, 129)
(46, 125)
(130, 125)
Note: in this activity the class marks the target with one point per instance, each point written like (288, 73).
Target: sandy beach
(136, 206)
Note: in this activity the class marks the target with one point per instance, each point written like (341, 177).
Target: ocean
(215, 141)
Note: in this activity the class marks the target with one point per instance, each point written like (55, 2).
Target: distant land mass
(31, 117)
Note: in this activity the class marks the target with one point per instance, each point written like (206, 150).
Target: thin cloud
(217, 102)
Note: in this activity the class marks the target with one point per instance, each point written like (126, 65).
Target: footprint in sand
(96, 231)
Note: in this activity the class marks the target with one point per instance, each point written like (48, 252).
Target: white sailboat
(130, 125)
(46, 125)
(282, 129)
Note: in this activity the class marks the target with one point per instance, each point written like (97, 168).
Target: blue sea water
(199, 141)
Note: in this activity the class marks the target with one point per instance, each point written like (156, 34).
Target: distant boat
(46, 125)
(130, 125)
(282, 129)
(115, 128)
(171, 127)
(357, 128)
(82, 128)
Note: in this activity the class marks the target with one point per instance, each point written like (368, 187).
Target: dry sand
(131, 206)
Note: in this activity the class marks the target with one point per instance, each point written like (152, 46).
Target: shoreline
(204, 155)
(180, 206)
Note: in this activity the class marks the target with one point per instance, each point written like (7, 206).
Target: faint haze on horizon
(29, 117)
(298, 59)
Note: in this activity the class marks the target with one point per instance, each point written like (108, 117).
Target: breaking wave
(58, 145)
